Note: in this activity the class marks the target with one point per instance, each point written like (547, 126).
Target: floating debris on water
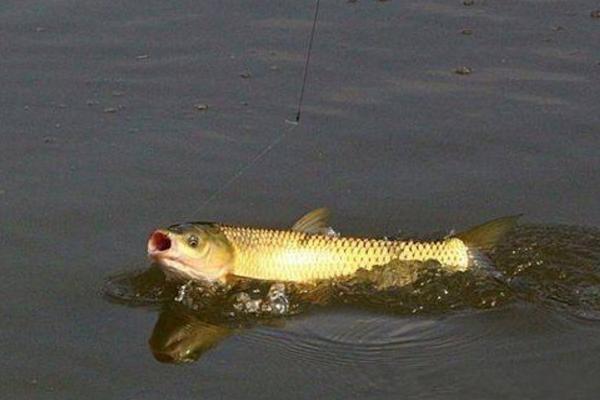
(595, 14)
(468, 3)
(246, 75)
(463, 70)
(110, 110)
(201, 107)
(467, 32)
(142, 57)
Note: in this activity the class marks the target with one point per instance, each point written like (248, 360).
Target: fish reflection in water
(554, 266)
(180, 336)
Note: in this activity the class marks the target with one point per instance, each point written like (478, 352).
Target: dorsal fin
(316, 221)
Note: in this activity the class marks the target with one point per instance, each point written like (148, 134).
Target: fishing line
(245, 168)
(308, 53)
(293, 124)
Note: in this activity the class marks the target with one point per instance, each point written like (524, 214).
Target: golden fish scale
(302, 257)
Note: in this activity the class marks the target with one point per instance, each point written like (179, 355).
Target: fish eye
(192, 240)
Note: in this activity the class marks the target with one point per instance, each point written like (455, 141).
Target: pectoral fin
(315, 222)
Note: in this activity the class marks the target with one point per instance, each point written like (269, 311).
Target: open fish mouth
(162, 248)
(158, 242)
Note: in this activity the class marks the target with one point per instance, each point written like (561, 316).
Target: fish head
(196, 250)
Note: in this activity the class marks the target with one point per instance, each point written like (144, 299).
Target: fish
(308, 252)
(181, 337)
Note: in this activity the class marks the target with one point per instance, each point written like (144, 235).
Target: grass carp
(309, 251)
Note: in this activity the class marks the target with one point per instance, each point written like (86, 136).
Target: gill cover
(203, 250)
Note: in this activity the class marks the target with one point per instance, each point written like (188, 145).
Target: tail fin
(483, 238)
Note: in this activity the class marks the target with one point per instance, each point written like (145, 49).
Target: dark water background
(102, 142)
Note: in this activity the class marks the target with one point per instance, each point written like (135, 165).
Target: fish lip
(159, 243)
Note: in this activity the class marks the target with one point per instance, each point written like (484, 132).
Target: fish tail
(482, 239)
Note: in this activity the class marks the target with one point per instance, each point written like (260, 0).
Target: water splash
(556, 265)
(553, 267)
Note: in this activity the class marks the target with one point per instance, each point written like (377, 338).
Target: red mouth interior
(160, 242)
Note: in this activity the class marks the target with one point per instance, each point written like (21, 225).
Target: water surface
(102, 141)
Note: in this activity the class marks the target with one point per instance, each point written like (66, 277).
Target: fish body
(301, 257)
(308, 252)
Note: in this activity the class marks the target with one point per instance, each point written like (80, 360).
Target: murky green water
(103, 140)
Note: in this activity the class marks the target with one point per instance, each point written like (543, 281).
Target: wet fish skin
(308, 252)
(301, 257)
